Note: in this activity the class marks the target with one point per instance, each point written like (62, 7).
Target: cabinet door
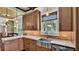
(65, 17)
(0, 48)
(26, 44)
(11, 45)
(26, 22)
(29, 44)
(31, 21)
(35, 20)
(21, 44)
(33, 45)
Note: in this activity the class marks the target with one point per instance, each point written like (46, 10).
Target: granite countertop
(63, 43)
(55, 41)
(16, 37)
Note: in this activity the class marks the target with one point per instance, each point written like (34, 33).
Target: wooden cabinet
(26, 44)
(76, 40)
(0, 48)
(23, 44)
(31, 45)
(14, 45)
(65, 18)
(20, 44)
(11, 45)
(31, 21)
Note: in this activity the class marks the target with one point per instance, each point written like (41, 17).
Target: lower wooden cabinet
(0, 48)
(31, 45)
(11, 45)
(20, 44)
(23, 44)
(26, 44)
(14, 45)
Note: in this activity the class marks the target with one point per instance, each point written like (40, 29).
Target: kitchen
(38, 29)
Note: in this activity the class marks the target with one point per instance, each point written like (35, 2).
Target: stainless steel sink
(44, 43)
(42, 39)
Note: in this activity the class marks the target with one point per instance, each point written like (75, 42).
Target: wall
(74, 26)
(66, 35)
(10, 26)
(2, 28)
(18, 25)
(2, 22)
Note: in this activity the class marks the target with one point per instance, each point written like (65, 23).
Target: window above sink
(50, 22)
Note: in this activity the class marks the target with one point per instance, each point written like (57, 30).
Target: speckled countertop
(55, 41)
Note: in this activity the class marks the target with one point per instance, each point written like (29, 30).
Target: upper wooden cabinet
(31, 21)
(65, 18)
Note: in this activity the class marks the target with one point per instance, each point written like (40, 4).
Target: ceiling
(12, 12)
(25, 9)
(7, 12)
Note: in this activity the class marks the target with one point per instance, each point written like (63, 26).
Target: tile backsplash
(66, 35)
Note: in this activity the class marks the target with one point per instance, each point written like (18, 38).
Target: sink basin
(42, 39)
(44, 43)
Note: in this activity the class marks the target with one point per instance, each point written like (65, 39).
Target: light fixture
(7, 14)
(7, 19)
(16, 21)
(47, 13)
(14, 26)
(4, 24)
(49, 25)
(3, 14)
